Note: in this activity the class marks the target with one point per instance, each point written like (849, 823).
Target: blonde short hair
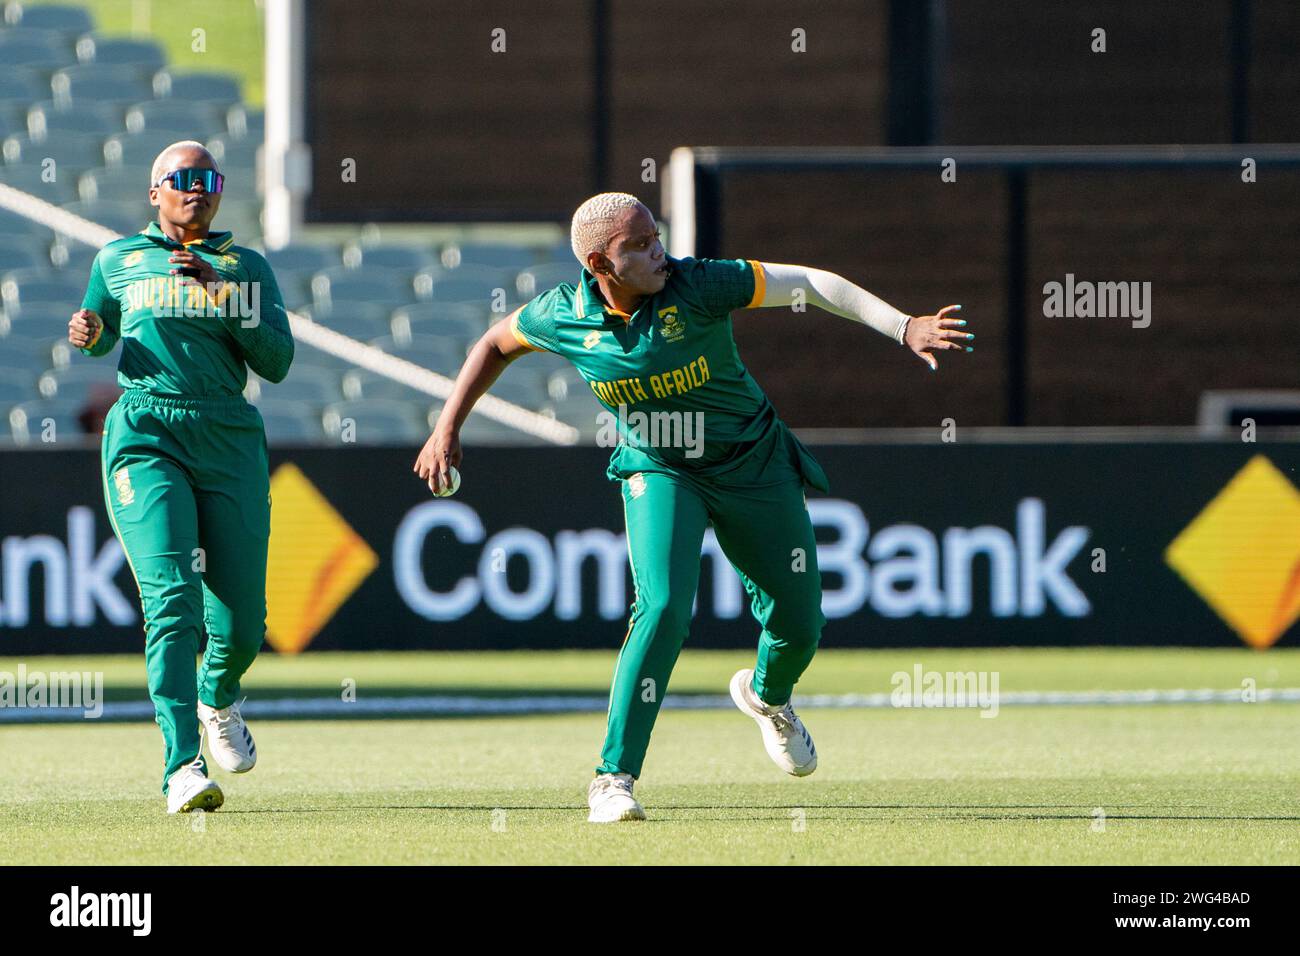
(595, 221)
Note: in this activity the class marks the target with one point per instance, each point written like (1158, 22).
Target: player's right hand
(440, 454)
(84, 328)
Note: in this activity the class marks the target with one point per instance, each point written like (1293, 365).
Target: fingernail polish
(961, 321)
(970, 335)
(969, 349)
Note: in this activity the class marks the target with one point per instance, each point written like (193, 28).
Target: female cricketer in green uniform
(184, 456)
(653, 334)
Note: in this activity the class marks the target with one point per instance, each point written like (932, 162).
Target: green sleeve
(724, 285)
(103, 303)
(264, 338)
(534, 324)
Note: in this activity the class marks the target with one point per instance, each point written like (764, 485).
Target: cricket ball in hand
(447, 492)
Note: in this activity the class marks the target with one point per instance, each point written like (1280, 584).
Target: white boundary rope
(318, 336)
(442, 705)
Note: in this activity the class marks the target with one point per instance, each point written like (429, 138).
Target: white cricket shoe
(784, 735)
(228, 737)
(611, 801)
(190, 789)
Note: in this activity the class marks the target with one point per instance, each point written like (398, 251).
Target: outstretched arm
(785, 284)
(485, 363)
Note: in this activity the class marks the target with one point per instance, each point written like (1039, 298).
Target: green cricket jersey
(178, 339)
(676, 354)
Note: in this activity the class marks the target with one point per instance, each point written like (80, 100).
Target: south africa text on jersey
(629, 391)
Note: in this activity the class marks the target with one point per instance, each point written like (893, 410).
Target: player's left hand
(929, 333)
(184, 259)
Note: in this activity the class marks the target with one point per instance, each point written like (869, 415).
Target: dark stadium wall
(1219, 255)
(919, 546)
(444, 127)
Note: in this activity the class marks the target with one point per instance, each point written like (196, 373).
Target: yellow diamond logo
(315, 561)
(1242, 553)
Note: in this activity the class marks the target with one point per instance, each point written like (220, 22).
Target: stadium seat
(33, 179)
(221, 89)
(525, 391)
(358, 320)
(578, 410)
(101, 119)
(33, 53)
(13, 122)
(378, 422)
(499, 256)
(18, 86)
(481, 430)
(334, 286)
(288, 422)
(430, 318)
(136, 149)
(37, 289)
(475, 284)
(75, 382)
(122, 217)
(27, 351)
(72, 258)
(233, 153)
(71, 151)
(243, 123)
(303, 258)
(71, 20)
(428, 351)
(16, 253)
(13, 224)
(27, 420)
(547, 364)
(306, 385)
(113, 184)
(307, 357)
(538, 279)
(144, 54)
(17, 384)
(363, 384)
(93, 82)
(239, 216)
(559, 254)
(397, 258)
(566, 382)
(186, 120)
(295, 289)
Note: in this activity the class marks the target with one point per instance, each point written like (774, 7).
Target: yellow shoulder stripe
(519, 336)
(760, 284)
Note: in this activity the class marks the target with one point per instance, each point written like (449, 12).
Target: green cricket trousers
(188, 493)
(761, 521)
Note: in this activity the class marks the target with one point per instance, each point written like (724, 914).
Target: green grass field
(1177, 783)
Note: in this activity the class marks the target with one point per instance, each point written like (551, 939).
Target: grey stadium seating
(67, 19)
(102, 109)
(144, 54)
(377, 422)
